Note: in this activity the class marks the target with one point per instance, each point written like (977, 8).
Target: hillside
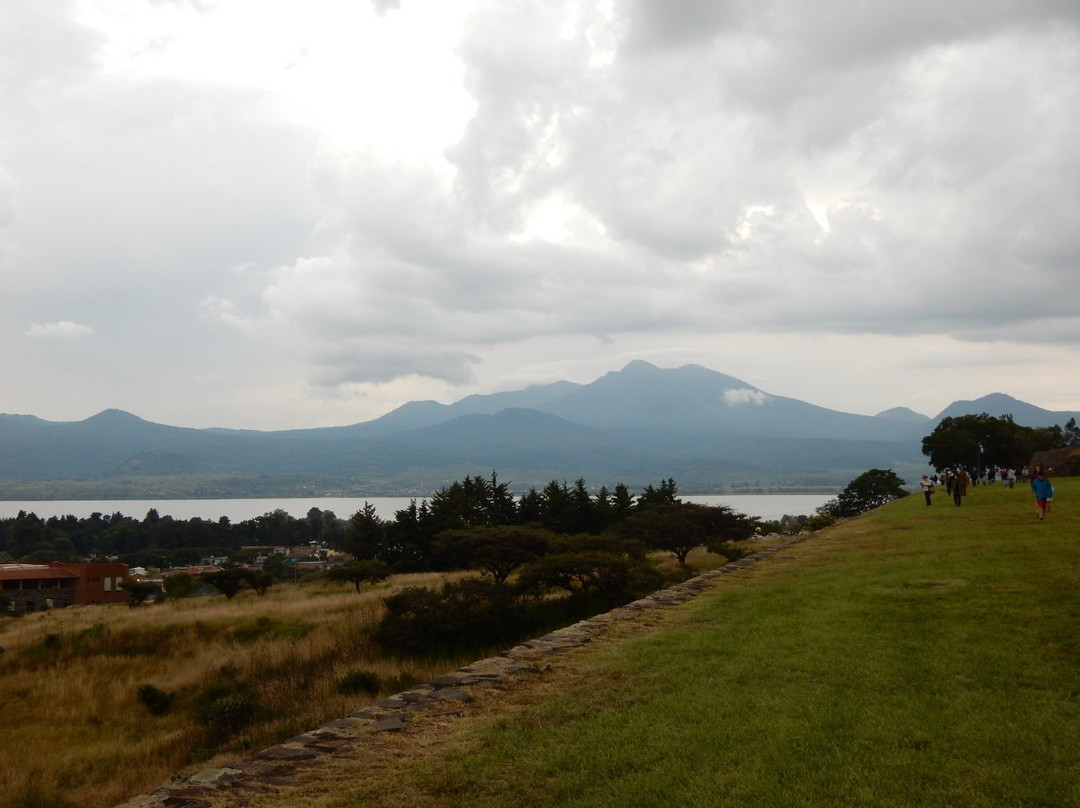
(910, 656)
(710, 431)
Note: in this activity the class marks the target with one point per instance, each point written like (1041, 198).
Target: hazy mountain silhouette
(708, 430)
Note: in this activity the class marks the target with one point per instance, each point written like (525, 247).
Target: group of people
(957, 481)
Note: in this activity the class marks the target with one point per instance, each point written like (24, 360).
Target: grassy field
(911, 657)
(77, 733)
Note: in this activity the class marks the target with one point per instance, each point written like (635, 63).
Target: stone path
(280, 765)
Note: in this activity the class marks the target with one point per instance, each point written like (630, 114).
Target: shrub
(468, 614)
(156, 700)
(730, 551)
(227, 713)
(819, 521)
(227, 707)
(359, 682)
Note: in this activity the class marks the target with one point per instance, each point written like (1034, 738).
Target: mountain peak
(114, 416)
(904, 414)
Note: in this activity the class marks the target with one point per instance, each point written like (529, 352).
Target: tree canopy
(978, 441)
(869, 490)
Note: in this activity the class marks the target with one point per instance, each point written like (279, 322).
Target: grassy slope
(913, 656)
(76, 733)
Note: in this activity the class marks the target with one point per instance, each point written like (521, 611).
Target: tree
(869, 490)
(259, 580)
(361, 571)
(408, 539)
(366, 535)
(227, 582)
(1071, 433)
(275, 565)
(496, 550)
(658, 497)
(678, 529)
(179, 585)
(974, 441)
(138, 592)
(611, 578)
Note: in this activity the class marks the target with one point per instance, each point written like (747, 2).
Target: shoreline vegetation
(911, 655)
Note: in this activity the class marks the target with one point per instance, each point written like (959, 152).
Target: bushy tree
(609, 578)
(470, 613)
(678, 529)
(496, 550)
(869, 490)
(179, 585)
(975, 440)
(361, 571)
(138, 592)
(228, 582)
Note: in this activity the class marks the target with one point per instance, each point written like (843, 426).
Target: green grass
(911, 657)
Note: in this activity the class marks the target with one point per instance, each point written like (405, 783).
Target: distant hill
(999, 404)
(710, 431)
(906, 415)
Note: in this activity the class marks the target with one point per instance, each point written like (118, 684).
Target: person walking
(959, 486)
(927, 487)
(1042, 490)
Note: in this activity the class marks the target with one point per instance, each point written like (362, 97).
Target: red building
(28, 587)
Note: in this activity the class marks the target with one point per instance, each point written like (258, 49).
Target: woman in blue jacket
(1043, 491)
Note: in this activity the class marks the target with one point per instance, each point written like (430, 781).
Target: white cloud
(433, 198)
(63, 329)
(215, 310)
(735, 398)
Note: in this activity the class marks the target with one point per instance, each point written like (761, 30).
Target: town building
(30, 587)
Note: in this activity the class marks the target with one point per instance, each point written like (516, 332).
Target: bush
(819, 521)
(156, 700)
(226, 714)
(469, 614)
(730, 551)
(227, 707)
(359, 682)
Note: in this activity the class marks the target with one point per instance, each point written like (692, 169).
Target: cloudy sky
(273, 214)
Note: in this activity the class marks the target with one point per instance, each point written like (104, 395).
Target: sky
(271, 215)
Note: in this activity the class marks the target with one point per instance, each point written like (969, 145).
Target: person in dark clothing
(959, 486)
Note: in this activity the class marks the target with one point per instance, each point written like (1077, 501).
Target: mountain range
(709, 431)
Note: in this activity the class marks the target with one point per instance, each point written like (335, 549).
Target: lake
(765, 506)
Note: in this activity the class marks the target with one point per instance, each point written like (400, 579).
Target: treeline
(406, 543)
(156, 540)
(540, 561)
(980, 441)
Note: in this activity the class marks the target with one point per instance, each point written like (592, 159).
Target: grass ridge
(912, 656)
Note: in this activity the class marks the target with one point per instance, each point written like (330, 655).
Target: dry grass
(78, 734)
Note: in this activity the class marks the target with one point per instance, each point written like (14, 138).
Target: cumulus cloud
(63, 329)
(215, 310)
(488, 188)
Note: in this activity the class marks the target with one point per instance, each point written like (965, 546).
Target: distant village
(35, 586)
